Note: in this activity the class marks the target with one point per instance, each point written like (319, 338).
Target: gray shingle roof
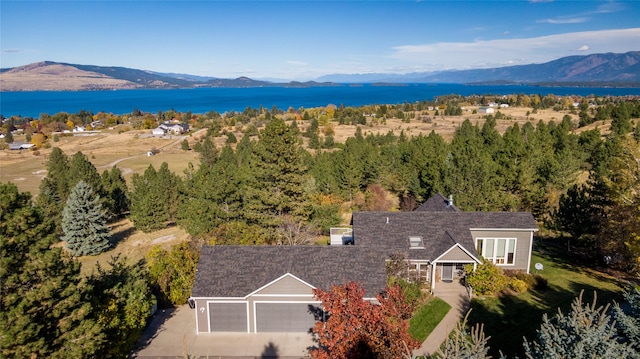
(439, 230)
(235, 271)
(437, 203)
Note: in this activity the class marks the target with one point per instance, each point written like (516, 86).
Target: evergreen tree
(463, 344)
(155, 198)
(8, 136)
(54, 188)
(42, 311)
(115, 188)
(84, 222)
(279, 175)
(212, 196)
(81, 169)
(587, 331)
(122, 301)
(628, 321)
(147, 211)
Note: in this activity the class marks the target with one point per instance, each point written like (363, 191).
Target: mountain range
(603, 69)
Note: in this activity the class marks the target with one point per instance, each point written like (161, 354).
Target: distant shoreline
(203, 100)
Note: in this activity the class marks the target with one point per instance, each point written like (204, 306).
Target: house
(176, 129)
(485, 109)
(438, 239)
(79, 129)
(20, 146)
(157, 131)
(255, 289)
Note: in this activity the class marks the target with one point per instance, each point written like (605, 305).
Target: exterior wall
(522, 258)
(456, 254)
(286, 284)
(286, 291)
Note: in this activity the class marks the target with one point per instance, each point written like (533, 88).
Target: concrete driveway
(172, 333)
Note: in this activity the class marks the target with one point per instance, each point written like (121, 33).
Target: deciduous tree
(356, 328)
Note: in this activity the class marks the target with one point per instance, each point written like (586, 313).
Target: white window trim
(495, 249)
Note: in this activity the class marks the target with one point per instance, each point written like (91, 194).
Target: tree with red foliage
(356, 328)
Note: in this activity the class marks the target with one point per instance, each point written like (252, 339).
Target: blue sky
(301, 40)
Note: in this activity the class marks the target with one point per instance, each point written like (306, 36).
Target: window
(416, 242)
(497, 250)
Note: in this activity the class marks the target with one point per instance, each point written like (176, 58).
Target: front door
(447, 272)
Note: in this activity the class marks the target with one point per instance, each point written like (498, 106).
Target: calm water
(202, 100)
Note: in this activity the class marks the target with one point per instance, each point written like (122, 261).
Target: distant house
(176, 129)
(253, 289)
(79, 129)
(159, 131)
(504, 105)
(20, 146)
(485, 109)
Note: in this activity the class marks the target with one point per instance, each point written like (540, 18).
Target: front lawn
(508, 319)
(427, 317)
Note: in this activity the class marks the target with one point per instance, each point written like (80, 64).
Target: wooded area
(581, 185)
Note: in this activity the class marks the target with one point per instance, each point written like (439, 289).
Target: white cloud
(493, 53)
(565, 20)
(296, 63)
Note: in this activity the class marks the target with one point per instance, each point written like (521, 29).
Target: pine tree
(42, 310)
(117, 194)
(84, 222)
(148, 212)
(54, 188)
(212, 196)
(155, 198)
(279, 174)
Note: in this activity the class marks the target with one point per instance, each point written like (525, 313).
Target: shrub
(541, 282)
(487, 279)
(518, 285)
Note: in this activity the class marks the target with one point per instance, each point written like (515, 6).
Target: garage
(286, 317)
(228, 317)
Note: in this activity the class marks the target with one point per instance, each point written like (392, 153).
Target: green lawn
(508, 319)
(427, 317)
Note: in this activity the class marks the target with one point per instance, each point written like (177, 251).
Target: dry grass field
(128, 150)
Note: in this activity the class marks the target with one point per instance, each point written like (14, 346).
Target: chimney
(450, 203)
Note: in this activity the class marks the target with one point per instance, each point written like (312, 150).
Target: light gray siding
(522, 250)
(456, 254)
(286, 285)
(202, 321)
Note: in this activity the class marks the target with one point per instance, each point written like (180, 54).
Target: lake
(202, 100)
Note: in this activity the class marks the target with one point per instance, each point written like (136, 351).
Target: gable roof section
(390, 231)
(437, 203)
(237, 271)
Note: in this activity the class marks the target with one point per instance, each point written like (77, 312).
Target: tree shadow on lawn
(509, 319)
(121, 235)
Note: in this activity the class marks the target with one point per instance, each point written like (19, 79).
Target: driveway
(172, 333)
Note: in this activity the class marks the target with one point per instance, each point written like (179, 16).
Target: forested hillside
(282, 185)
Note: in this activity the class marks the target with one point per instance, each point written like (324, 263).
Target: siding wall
(523, 245)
